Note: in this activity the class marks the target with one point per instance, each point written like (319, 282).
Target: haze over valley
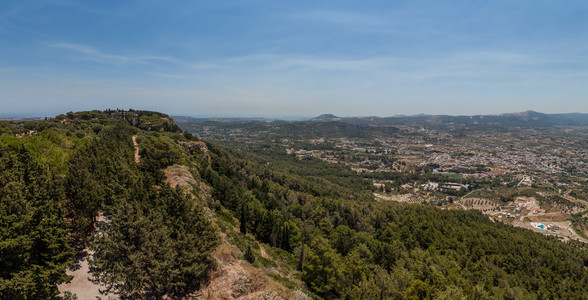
(293, 150)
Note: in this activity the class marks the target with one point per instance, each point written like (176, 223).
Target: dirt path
(80, 285)
(261, 248)
(263, 253)
(137, 157)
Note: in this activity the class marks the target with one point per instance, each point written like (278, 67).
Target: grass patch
(284, 281)
(227, 217)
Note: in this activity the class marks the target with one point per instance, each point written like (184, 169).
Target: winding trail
(263, 252)
(137, 157)
(261, 247)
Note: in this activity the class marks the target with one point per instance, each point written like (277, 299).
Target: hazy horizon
(275, 117)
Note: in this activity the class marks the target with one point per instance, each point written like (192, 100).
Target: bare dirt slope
(177, 175)
(233, 277)
(237, 279)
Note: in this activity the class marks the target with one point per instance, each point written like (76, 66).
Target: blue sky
(293, 58)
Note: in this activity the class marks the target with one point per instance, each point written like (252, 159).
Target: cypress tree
(243, 219)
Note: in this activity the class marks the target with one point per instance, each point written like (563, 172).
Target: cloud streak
(340, 17)
(470, 64)
(95, 55)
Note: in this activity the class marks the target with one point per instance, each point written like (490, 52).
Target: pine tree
(249, 256)
(156, 246)
(34, 248)
(319, 271)
(243, 219)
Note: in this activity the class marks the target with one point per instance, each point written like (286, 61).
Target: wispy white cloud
(93, 54)
(340, 17)
(166, 75)
(317, 63)
(208, 66)
(464, 64)
(307, 62)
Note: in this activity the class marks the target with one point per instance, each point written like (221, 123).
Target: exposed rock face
(232, 278)
(179, 176)
(237, 279)
(192, 147)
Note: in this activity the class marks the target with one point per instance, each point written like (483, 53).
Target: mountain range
(527, 118)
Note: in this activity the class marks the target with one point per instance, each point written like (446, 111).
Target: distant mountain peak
(527, 113)
(325, 118)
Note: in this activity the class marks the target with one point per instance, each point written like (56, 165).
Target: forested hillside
(349, 246)
(309, 226)
(57, 175)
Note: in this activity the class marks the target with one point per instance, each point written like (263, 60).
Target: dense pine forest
(349, 246)
(57, 175)
(71, 182)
